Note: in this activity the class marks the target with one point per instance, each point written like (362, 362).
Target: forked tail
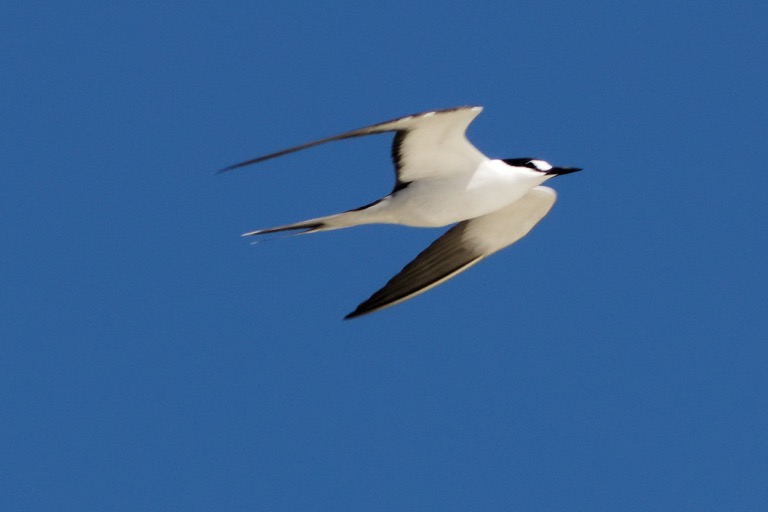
(299, 228)
(337, 221)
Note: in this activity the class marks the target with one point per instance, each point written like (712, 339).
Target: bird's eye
(532, 165)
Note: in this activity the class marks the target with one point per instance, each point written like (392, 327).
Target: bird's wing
(459, 248)
(426, 144)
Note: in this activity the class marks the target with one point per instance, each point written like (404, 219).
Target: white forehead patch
(541, 165)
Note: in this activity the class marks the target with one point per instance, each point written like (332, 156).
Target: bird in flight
(440, 179)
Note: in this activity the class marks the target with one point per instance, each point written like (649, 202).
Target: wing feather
(462, 246)
(426, 144)
(444, 258)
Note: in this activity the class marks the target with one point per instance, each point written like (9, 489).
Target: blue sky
(151, 359)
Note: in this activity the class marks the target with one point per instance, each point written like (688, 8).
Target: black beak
(559, 171)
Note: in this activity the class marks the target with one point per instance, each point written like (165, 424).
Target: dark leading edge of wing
(462, 246)
(347, 135)
(386, 126)
(446, 257)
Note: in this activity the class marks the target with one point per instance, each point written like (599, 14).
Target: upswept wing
(426, 144)
(460, 247)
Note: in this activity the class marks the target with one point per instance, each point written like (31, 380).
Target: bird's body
(441, 179)
(433, 201)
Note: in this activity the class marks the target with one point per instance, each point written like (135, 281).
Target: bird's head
(541, 166)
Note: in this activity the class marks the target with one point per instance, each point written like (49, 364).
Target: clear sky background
(151, 359)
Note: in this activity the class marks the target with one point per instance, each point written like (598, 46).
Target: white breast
(443, 200)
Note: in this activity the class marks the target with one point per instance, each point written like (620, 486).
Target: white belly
(440, 201)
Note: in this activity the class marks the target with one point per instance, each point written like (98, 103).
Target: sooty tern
(440, 179)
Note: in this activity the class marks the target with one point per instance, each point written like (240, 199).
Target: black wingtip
(354, 314)
(361, 310)
(228, 168)
(239, 165)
